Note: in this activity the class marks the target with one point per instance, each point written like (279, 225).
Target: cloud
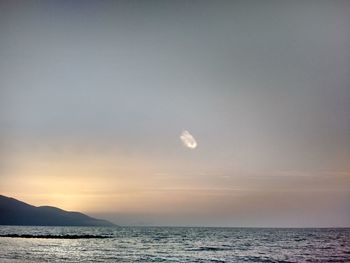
(188, 140)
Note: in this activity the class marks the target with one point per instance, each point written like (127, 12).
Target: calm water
(165, 244)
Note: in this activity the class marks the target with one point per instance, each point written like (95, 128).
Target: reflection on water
(170, 244)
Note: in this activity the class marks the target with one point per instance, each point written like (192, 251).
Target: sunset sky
(96, 95)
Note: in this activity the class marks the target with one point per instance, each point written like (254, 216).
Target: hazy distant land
(15, 212)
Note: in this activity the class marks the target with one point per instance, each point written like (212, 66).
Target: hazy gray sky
(94, 96)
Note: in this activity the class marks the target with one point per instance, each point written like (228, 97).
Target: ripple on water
(164, 244)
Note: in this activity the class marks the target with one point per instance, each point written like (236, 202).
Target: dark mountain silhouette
(15, 212)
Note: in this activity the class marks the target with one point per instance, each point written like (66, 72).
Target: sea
(172, 244)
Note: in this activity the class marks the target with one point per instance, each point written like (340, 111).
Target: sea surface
(172, 244)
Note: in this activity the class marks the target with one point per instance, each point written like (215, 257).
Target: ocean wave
(209, 249)
(55, 236)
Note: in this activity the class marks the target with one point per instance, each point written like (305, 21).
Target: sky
(208, 113)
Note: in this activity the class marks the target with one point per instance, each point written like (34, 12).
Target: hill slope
(15, 212)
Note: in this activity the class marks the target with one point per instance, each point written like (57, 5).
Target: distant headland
(15, 212)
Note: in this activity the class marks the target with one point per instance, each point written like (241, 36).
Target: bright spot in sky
(188, 140)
